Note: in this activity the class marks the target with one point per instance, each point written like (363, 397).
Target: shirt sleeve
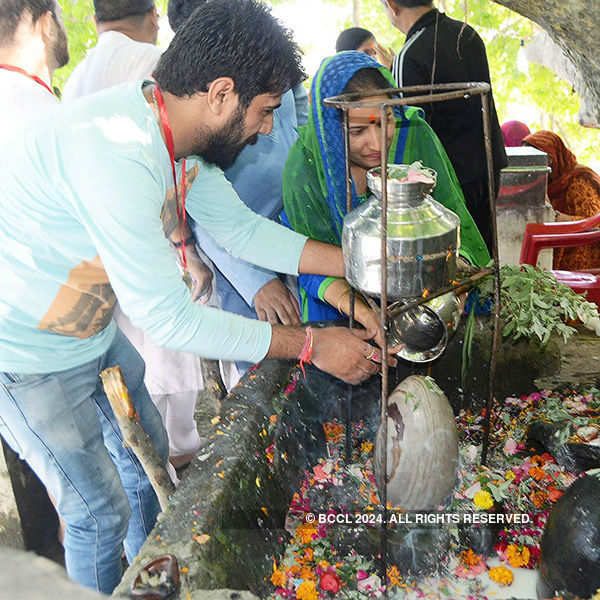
(246, 278)
(213, 204)
(122, 217)
(301, 102)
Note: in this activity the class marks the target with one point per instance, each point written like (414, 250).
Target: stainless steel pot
(422, 243)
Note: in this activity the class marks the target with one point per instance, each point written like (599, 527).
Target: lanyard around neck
(24, 72)
(166, 127)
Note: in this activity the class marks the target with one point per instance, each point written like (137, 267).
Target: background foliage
(534, 95)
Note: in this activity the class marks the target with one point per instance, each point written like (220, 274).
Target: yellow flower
(366, 447)
(509, 475)
(501, 575)
(517, 558)
(483, 499)
(307, 590)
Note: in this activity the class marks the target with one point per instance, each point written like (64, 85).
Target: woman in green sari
(314, 189)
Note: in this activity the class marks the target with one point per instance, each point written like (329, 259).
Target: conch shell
(422, 446)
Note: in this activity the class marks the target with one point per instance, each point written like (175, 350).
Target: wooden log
(213, 383)
(134, 435)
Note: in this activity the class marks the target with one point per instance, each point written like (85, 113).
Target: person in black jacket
(439, 49)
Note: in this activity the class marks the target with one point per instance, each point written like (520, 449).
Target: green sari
(314, 190)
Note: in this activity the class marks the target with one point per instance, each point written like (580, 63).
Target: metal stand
(431, 93)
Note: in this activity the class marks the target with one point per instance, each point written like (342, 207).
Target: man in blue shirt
(90, 193)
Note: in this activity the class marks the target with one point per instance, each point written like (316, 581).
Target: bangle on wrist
(307, 350)
(189, 241)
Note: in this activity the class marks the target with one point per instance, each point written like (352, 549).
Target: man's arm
(213, 203)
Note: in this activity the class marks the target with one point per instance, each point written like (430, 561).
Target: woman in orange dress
(574, 192)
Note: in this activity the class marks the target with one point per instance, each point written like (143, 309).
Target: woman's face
(365, 134)
(368, 47)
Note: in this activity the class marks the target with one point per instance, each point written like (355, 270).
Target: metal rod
(464, 90)
(384, 349)
(485, 114)
(396, 308)
(350, 392)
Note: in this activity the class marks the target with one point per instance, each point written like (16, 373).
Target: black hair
(352, 39)
(12, 11)
(231, 38)
(412, 3)
(179, 10)
(114, 10)
(369, 78)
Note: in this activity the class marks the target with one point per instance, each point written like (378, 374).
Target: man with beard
(127, 51)
(33, 43)
(87, 199)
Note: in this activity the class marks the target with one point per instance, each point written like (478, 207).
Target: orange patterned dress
(573, 190)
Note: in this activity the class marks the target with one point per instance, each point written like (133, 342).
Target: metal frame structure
(428, 94)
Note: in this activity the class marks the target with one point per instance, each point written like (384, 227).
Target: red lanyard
(23, 72)
(166, 126)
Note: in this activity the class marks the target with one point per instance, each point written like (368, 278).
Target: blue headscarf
(331, 80)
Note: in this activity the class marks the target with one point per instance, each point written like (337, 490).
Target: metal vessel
(422, 239)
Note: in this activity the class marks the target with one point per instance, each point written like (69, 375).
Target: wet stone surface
(225, 522)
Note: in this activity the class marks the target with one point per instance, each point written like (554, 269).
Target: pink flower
(360, 575)
(291, 386)
(370, 584)
(320, 473)
(510, 447)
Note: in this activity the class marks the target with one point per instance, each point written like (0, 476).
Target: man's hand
(343, 353)
(276, 304)
(201, 276)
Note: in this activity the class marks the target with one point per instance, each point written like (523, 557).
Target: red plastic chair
(566, 234)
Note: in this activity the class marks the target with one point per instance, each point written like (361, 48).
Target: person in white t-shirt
(126, 48)
(33, 43)
(126, 51)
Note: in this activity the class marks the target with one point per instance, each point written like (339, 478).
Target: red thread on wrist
(307, 350)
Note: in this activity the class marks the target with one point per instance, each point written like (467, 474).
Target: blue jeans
(62, 424)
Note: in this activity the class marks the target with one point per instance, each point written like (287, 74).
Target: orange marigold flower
(308, 554)
(517, 557)
(394, 577)
(501, 575)
(538, 498)
(537, 473)
(307, 590)
(333, 431)
(273, 419)
(305, 532)
(307, 574)
(366, 447)
(324, 565)
(279, 578)
(469, 558)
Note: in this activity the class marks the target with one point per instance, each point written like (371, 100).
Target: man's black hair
(412, 3)
(179, 10)
(231, 38)
(12, 11)
(114, 10)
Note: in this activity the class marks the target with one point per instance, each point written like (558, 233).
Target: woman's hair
(366, 79)
(352, 39)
